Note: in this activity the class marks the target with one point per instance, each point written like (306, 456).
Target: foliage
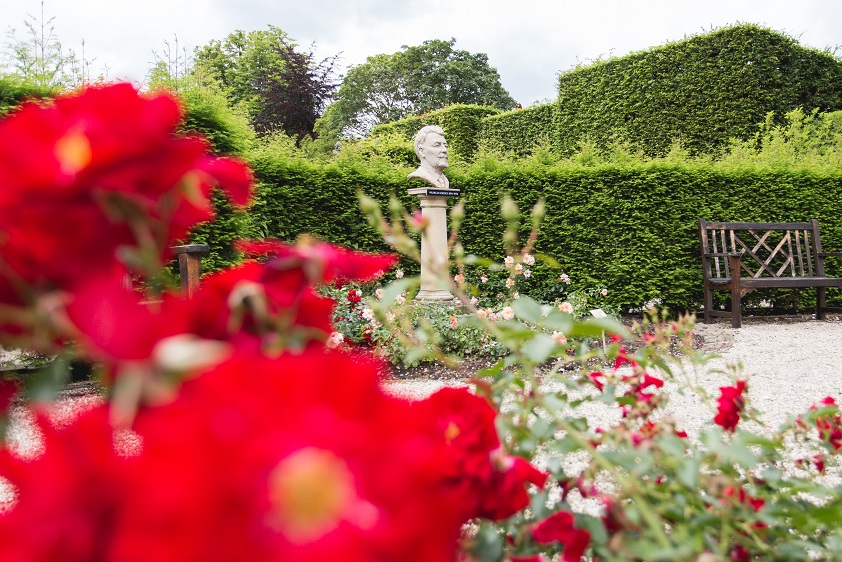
(518, 132)
(414, 81)
(645, 486)
(280, 87)
(40, 59)
(301, 460)
(615, 221)
(207, 113)
(14, 91)
(301, 443)
(410, 332)
(703, 90)
(290, 188)
(810, 141)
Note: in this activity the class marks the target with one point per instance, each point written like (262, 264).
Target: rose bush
(231, 432)
(235, 430)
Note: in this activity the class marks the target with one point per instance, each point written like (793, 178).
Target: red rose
(731, 404)
(558, 527)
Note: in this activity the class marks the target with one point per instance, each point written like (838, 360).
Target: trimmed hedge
(634, 230)
(518, 131)
(630, 229)
(703, 91)
(296, 197)
(229, 133)
(14, 91)
(461, 124)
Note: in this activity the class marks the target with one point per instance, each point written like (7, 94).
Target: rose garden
(252, 420)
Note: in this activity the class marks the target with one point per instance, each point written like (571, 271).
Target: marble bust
(431, 149)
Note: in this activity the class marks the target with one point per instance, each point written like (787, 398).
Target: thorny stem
(640, 503)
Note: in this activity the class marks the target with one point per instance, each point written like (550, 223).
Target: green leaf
(688, 472)
(488, 544)
(396, 288)
(528, 309)
(539, 348)
(596, 327)
(558, 321)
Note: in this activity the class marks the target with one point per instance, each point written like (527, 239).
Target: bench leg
(736, 307)
(820, 302)
(708, 317)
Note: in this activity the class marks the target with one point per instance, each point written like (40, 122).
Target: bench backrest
(782, 249)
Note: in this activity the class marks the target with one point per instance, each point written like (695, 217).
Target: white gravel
(790, 364)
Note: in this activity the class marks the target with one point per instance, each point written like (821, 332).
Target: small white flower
(559, 338)
(527, 273)
(401, 298)
(507, 313)
(399, 274)
(509, 261)
(334, 340)
(483, 278)
(378, 293)
(519, 269)
(367, 314)
(516, 295)
(459, 278)
(566, 307)
(482, 313)
(390, 317)
(564, 278)
(359, 293)
(510, 283)
(528, 259)
(474, 301)
(603, 292)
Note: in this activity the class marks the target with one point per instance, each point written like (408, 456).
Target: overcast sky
(528, 41)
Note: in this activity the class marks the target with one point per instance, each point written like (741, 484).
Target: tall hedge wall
(703, 90)
(519, 130)
(635, 230)
(301, 197)
(630, 229)
(461, 124)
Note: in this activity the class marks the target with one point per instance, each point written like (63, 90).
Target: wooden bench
(743, 256)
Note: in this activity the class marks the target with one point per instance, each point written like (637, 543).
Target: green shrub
(704, 90)
(14, 91)
(518, 132)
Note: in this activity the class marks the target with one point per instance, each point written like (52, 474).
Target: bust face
(434, 151)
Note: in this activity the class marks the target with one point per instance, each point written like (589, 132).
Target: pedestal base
(438, 296)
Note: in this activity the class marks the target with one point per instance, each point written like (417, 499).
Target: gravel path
(790, 363)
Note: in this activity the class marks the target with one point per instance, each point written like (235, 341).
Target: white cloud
(528, 41)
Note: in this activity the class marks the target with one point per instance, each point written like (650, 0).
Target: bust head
(431, 147)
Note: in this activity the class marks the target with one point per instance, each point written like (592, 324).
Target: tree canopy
(412, 81)
(280, 87)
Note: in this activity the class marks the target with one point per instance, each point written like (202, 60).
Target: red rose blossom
(731, 403)
(94, 176)
(558, 527)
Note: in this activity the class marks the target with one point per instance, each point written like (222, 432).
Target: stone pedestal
(434, 251)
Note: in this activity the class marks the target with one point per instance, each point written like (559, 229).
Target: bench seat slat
(782, 282)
